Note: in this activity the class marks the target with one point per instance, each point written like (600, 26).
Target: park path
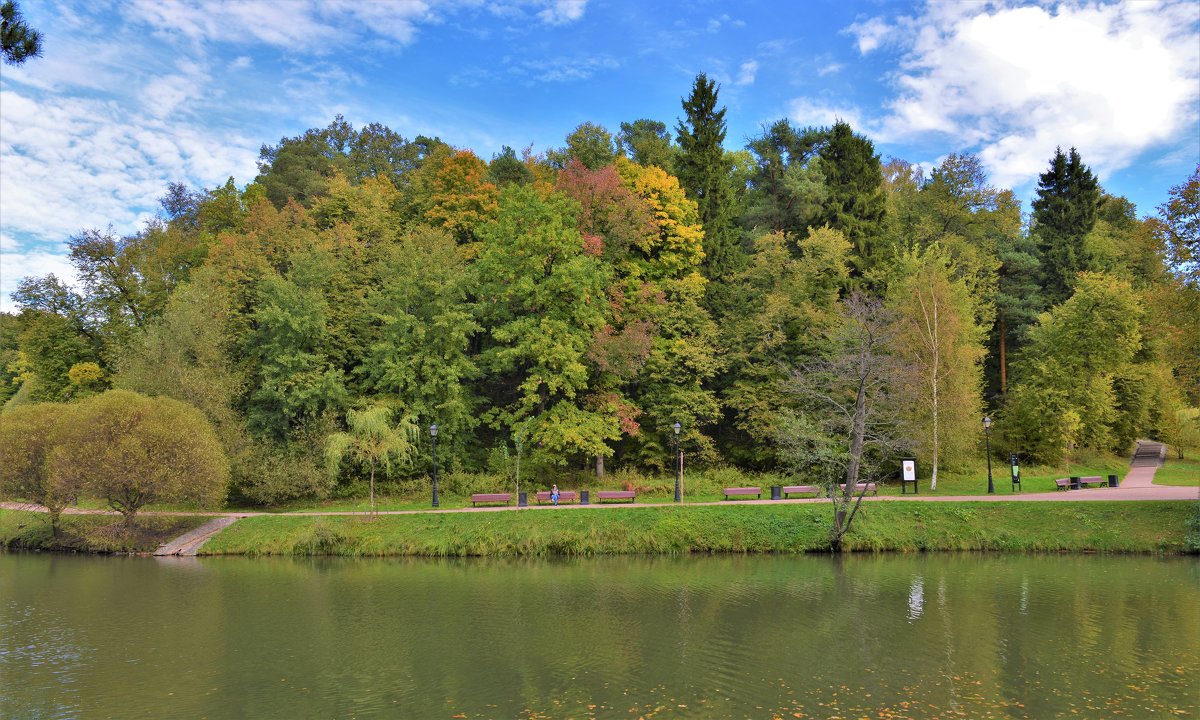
(1138, 484)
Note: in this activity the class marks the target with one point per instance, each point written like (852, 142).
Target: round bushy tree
(133, 450)
(24, 434)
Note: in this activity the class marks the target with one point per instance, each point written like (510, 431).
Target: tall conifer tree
(1064, 212)
(855, 202)
(704, 171)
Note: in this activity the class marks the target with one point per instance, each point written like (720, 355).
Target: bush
(133, 450)
(24, 434)
(269, 474)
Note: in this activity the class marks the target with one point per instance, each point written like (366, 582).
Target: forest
(569, 307)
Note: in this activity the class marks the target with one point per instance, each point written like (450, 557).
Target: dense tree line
(579, 302)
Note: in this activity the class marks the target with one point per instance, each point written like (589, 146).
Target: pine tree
(1064, 212)
(18, 41)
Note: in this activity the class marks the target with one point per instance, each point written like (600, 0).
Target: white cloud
(747, 72)
(1014, 82)
(241, 63)
(830, 69)
(870, 34)
(807, 112)
(17, 264)
(561, 12)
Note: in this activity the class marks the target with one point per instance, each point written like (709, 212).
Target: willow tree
(941, 344)
(374, 441)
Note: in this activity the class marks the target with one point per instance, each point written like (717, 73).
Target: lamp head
(433, 430)
(987, 423)
(678, 427)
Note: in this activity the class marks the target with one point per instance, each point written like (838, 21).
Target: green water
(707, 637)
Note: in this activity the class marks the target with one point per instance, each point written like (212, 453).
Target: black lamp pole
(987, 433)
(678, 464)
(433, 438)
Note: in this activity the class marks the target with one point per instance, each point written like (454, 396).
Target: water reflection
(730, 636)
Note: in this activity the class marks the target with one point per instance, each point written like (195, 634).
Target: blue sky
(130, 96)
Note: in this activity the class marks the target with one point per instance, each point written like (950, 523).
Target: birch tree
(941, 377)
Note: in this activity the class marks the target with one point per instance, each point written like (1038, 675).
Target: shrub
(24, 434)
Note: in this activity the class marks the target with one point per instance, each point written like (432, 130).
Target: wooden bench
(1063, 483)
(862, 488)
(755, 491)
(602, 495)
(800, 489)
(563, 496)
(1093, 480)
(505, 498)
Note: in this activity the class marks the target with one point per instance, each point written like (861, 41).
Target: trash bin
(1114, 481)
(522, 499)
(583, 497)
(1074, 482)
(776, 492)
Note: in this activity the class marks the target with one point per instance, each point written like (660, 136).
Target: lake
(944, 635)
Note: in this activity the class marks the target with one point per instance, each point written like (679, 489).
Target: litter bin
(776, 492)
(522, 499)
(1074, 482)
(583, 497)
(1114, 481)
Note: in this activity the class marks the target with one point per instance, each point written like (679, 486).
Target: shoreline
(1099, 525)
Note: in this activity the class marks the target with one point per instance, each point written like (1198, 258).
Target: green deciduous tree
(543, 299)
(940, 345)
(1063, 392)
(647, 142)
(1179, 227)
(132, 450)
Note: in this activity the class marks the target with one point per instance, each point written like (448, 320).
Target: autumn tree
(1179, 227)
(132, 450)
(25, 433)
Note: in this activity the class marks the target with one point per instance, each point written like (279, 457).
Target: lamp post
(678, 464)
(433, 438)
(987, 433)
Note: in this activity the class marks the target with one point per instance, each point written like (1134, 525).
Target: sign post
(1015, 462)
(908, 474)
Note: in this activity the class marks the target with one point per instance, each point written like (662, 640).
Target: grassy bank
(1154, 527)
(1184, 472)
(91, 533)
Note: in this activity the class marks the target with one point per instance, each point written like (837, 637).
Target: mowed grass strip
(1095, 526)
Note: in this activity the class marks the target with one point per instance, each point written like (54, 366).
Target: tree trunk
(1003, 367)
(372, 487)
(599, 467)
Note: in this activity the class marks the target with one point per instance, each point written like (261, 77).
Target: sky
(130, 96)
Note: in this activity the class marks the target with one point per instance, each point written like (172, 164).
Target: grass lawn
(1184, 472)
(1097, 526)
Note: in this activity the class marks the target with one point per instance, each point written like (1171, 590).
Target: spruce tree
(855, 202)
(1064, 212)
(704, 171)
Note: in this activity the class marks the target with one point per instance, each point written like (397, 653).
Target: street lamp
(433, 438)
(987, 433)
(678, 463)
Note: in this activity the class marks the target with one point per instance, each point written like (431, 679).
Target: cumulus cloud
(806, 112)
(1014, 82)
